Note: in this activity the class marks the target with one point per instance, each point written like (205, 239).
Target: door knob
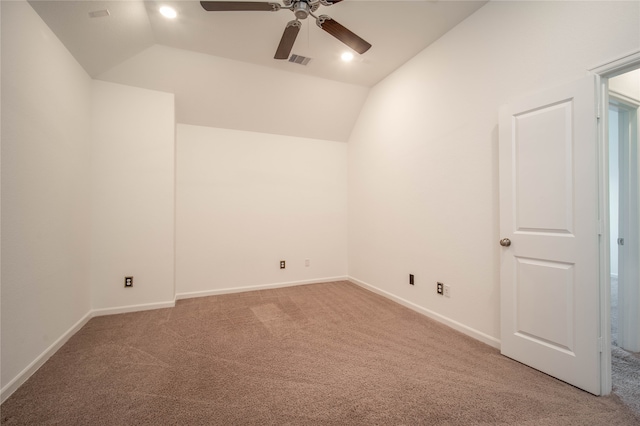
(505, 242)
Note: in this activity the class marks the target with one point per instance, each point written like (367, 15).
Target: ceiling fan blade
(288, 38)
(329, 2)
(343, 34)
(222, 6)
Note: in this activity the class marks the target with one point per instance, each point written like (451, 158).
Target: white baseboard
(471, 332)
(40, 360)
(28, 371)
(132, 308)
(190, 295)
(24, 375)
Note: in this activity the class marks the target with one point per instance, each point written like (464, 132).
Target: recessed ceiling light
(347, 56)
(168, 12)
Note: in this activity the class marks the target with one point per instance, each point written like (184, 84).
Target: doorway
(624, 232)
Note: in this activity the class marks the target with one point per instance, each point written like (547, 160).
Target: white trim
(629, 300)
(602, 99)
(621, 98)
(603, 72)
(24, 375)
(229, 290)
(628, 62)
(132, 308)
(471, 332)
(28, 371)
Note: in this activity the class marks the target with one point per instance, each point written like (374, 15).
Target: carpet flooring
(625, 365)
(330, 354)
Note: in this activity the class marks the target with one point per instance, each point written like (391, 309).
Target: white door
(549, 215)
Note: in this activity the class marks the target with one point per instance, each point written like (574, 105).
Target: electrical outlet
(128, 282)
(447, 291)
(440, 288)
(307, 262)
(282, 264)
(411, 279)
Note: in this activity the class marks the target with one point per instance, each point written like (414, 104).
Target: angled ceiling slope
(223, 93)
(398, 30)
(220, 65)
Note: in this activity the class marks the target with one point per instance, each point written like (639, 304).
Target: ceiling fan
(301, 9)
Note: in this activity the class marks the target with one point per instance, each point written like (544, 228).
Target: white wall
(132, 215)
(88, 177)
(45, 192)
(243, 96)
(247, 200)
(423, 162)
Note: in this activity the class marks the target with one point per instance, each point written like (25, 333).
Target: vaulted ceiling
(220, 64)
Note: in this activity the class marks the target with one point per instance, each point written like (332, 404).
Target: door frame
(628, 217)
(603, 72)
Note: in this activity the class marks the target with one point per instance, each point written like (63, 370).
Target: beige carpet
(331, 354)
(625, 365)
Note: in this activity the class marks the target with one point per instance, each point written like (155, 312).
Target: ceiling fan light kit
(301, 10)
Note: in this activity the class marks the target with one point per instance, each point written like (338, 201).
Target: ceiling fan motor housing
(303, 8)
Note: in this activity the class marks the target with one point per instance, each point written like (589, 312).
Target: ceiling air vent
(99, 13)
(299, 59)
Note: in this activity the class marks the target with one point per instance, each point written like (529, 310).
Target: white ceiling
(398, 30)
(220, 65)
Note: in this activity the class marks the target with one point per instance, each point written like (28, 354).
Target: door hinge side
(600, 227)
(600, 345)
